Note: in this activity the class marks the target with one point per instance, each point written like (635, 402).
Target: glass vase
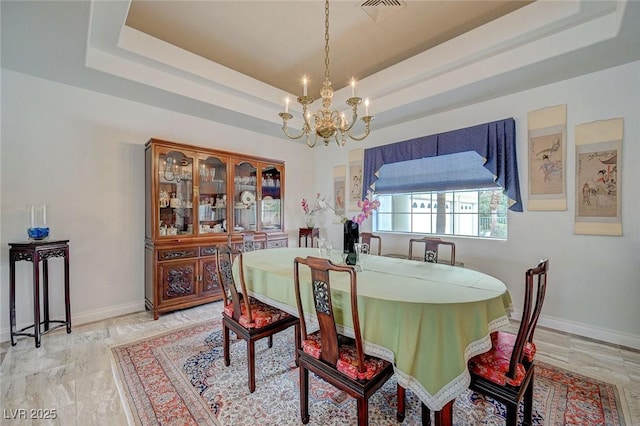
(350, 237)
(37, 229)
(358, 250)
(310, 220)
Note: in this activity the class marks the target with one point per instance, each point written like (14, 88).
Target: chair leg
(225, 344)
(363, 412)
(400, 414)
(512, 414)
(251, 362)
(304, 394)
(426, 415)
(527, 400)
(270, 342)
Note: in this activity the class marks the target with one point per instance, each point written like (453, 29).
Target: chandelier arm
(360, 138)
(286, 133)
(307, 124)
(354, 118)
(315, 140)
(366, 133)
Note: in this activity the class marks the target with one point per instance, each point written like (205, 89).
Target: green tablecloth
(428, 319)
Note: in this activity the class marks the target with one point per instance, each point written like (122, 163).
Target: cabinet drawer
(177, 253)
(208, 250)
(278, 243)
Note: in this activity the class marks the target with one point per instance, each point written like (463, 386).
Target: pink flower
(367, 206)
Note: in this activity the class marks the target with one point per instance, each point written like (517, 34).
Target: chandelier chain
(328, 123)
(326, 40)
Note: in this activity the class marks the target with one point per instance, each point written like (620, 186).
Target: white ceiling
(86, 44)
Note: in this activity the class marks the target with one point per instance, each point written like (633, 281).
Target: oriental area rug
(179, 378)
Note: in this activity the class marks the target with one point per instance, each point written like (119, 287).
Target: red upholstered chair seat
(510, 340)
(347, 357)
(494, 365)
(262, 314)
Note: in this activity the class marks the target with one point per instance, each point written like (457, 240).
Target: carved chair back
(249, 240)
(534, 292)
(320, 287)
(365, 240)
(432, 248)
(225, 258)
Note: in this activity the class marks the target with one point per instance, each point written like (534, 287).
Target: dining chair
(431, 249)
(248, 318)
(365, 240)
(333, 357)
(506, 372)
(249, 240)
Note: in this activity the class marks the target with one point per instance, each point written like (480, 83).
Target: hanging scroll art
(598, 177)
(355, 178)
(339, 192)
(547, 154)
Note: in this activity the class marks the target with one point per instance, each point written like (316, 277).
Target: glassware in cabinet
(175, 193)
(212, 194)
(271, 177)
(244, 196)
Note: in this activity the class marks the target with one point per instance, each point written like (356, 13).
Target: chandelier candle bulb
(304, 86)
(353, 88)
(366, 107)
(286, 104)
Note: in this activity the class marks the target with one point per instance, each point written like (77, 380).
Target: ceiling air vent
(380, 9)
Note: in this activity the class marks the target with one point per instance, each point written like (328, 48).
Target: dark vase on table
(351, 236)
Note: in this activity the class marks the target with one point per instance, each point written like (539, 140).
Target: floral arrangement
(366, 206)
(310, 212)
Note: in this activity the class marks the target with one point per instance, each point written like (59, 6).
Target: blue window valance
(495, 142)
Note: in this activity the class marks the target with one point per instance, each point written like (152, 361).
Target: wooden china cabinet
(195, 198)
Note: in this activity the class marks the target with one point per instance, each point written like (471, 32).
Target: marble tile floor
(72, 374)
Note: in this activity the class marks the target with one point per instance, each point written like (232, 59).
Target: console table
(36, 252)
(305, 233)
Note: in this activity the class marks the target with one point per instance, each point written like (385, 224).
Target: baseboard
(89, 316)
(586, 330)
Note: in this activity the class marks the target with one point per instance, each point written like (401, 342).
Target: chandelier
(327, 123)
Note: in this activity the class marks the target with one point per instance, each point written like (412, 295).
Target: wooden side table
(36, 252)
(306, 233)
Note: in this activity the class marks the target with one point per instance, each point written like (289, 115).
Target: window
(474, 213)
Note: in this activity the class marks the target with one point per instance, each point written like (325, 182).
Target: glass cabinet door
(212, 194)
(175, 197)
(244, 197)
(271, 197)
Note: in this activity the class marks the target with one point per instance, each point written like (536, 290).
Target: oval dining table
(427, 319)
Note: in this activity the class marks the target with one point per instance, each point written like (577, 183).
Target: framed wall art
(598, 177)
(547, 158)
